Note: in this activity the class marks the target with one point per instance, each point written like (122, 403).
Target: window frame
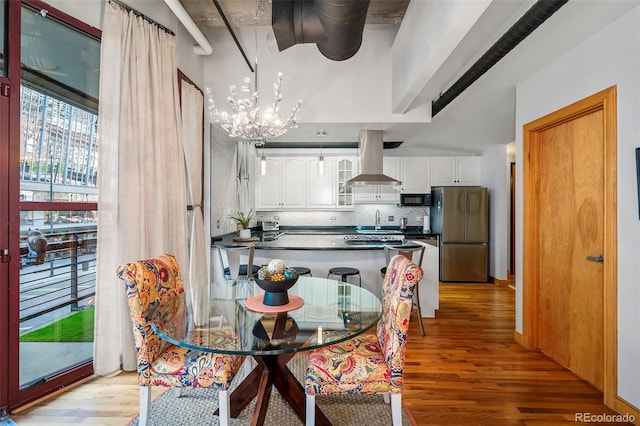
(9, 330)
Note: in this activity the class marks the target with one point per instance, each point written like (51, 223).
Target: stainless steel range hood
(370, 150)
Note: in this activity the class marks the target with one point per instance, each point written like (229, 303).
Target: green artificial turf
(77, 327)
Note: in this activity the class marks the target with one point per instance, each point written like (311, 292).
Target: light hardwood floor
(467, 370)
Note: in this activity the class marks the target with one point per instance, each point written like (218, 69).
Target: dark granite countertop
(321, 238)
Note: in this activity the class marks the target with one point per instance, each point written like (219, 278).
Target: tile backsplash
(362, 214)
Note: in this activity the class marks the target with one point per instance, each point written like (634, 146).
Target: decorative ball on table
(276, 266)
(275, 279)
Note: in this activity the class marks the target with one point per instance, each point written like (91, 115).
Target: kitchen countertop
(322, 238)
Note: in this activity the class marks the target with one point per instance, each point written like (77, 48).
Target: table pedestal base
(271, 371)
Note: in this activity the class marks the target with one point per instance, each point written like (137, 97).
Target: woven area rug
(196, 407)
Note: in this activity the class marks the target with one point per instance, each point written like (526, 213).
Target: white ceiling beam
(429, 33)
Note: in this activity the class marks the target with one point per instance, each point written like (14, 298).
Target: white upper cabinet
(382, 194)
(346, 170)
(283, 185)
(456, 171)
(321, 189)
(295, 183)
(415, 175)
(269, 185)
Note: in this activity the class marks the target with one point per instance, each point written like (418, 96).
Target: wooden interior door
(569, 216)
(570, 304)
(512, 236)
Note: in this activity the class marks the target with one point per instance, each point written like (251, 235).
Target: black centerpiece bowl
(275, 292)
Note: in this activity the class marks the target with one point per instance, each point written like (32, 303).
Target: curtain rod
(143, 16)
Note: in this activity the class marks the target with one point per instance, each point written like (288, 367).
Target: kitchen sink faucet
(377, 219)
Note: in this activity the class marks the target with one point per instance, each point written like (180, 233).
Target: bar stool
(344, 272)
(233, 269)
(409, 253)
(301, 270)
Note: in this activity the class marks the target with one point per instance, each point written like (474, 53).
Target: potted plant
(243, 221)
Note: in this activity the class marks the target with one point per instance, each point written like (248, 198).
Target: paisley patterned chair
(156, 284)
(371, 364)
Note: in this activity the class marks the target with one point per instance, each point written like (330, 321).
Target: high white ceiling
(484, 114)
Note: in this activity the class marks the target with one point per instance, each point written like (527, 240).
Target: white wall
(610, 57)
(495, 176)
(439, 26)
(88, 11)
(223, 182)
(357, 90)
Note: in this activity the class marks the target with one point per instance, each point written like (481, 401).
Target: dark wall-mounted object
(336, 26)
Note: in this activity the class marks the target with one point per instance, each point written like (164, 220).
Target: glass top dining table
(229, 317)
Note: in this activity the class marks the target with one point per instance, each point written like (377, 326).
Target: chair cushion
(354, 366)
(181, 367)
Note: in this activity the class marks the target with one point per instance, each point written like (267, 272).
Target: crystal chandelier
(247, 120)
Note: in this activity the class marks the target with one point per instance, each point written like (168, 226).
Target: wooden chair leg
(224, 405)
(145, 403)
(396, 409)
(310, 410)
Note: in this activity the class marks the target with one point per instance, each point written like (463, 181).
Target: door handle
(599, 259)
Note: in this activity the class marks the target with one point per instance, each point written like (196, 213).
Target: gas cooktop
(374, 239)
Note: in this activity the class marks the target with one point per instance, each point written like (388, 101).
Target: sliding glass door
(52, 193)
(9, 123)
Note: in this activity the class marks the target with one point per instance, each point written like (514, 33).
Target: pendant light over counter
(321, 134)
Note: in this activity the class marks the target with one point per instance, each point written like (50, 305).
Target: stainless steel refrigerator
(460, 215)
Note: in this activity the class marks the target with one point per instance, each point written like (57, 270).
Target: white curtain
(192, 138)
(142, 200)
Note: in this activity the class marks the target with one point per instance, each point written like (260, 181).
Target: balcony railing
(62, 278)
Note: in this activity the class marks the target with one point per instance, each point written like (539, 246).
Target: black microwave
(415, 200)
